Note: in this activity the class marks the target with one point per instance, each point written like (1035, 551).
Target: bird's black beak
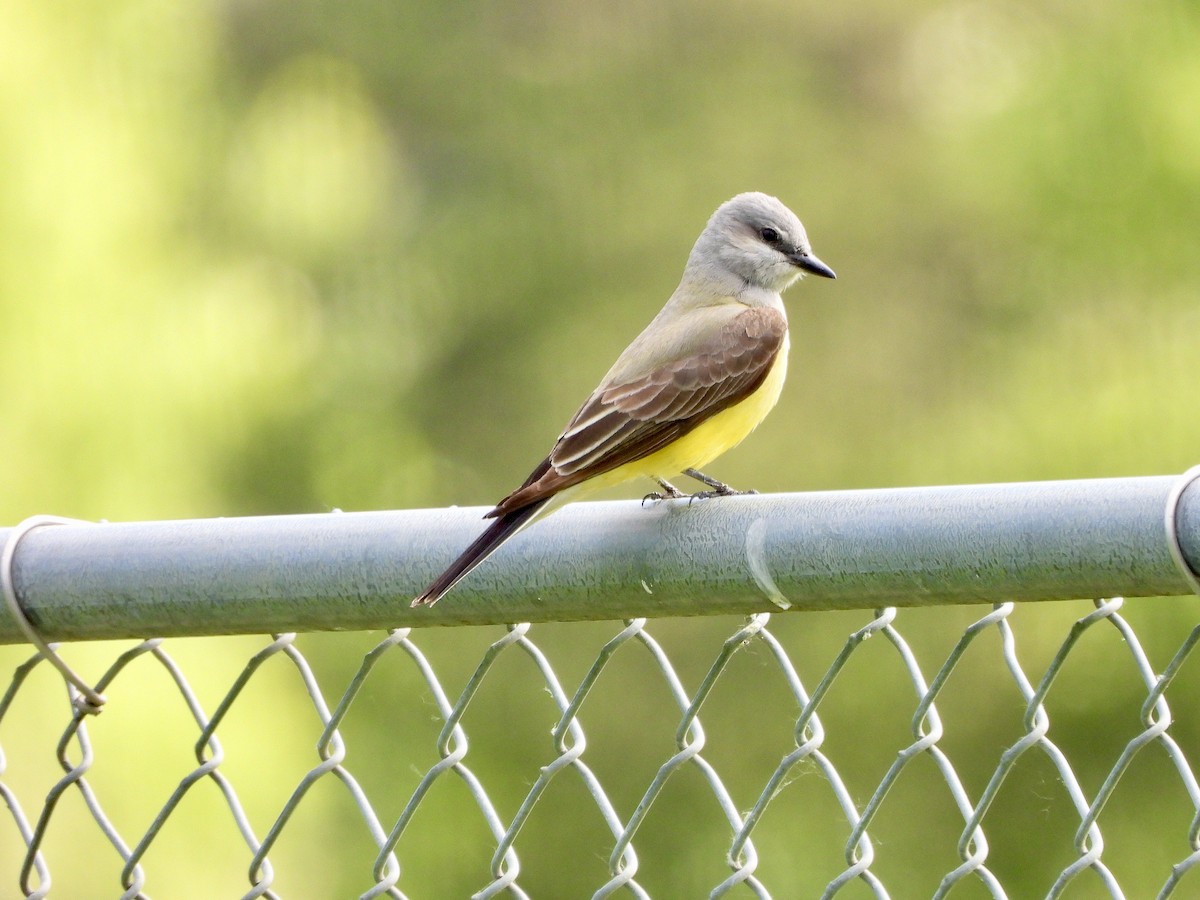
(810, 263)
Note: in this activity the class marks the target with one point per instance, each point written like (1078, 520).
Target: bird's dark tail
(500, 530)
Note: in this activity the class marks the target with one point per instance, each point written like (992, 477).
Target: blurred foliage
(262, 257)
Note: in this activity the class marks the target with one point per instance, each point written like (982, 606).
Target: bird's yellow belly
(706, 442)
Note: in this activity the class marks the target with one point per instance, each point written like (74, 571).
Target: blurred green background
(266, 257)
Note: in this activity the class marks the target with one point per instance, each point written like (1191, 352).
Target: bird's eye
(768, 234)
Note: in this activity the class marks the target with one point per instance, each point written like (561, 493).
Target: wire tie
(88, 701)
(1171, 521)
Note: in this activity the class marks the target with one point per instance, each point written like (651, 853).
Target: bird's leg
(718, 488)
(669, 492)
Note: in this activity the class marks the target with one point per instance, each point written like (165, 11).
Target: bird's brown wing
(624, 422)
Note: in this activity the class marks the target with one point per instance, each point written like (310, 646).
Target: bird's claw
(668, 492)
(717, 488)
(718, 492)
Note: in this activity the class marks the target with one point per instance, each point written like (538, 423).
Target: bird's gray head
(757, 240)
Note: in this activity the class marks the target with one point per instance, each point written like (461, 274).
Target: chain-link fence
(1004, 750)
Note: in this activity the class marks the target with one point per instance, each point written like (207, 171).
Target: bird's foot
(718, 488)
(728, 492)
(669, 492)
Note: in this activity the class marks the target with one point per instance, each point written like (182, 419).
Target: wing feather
(624, 422)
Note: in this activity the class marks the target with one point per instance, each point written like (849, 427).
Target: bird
(700, 377)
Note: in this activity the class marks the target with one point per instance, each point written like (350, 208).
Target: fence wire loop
(88, 701)
(1171, 522)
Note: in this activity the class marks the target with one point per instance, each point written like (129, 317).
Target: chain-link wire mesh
(974, 751)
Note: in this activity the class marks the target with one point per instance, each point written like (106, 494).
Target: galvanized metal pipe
(610, 560)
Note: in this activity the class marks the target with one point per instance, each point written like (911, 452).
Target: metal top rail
(610, 560)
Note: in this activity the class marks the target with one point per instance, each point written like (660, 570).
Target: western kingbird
(699, 379)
